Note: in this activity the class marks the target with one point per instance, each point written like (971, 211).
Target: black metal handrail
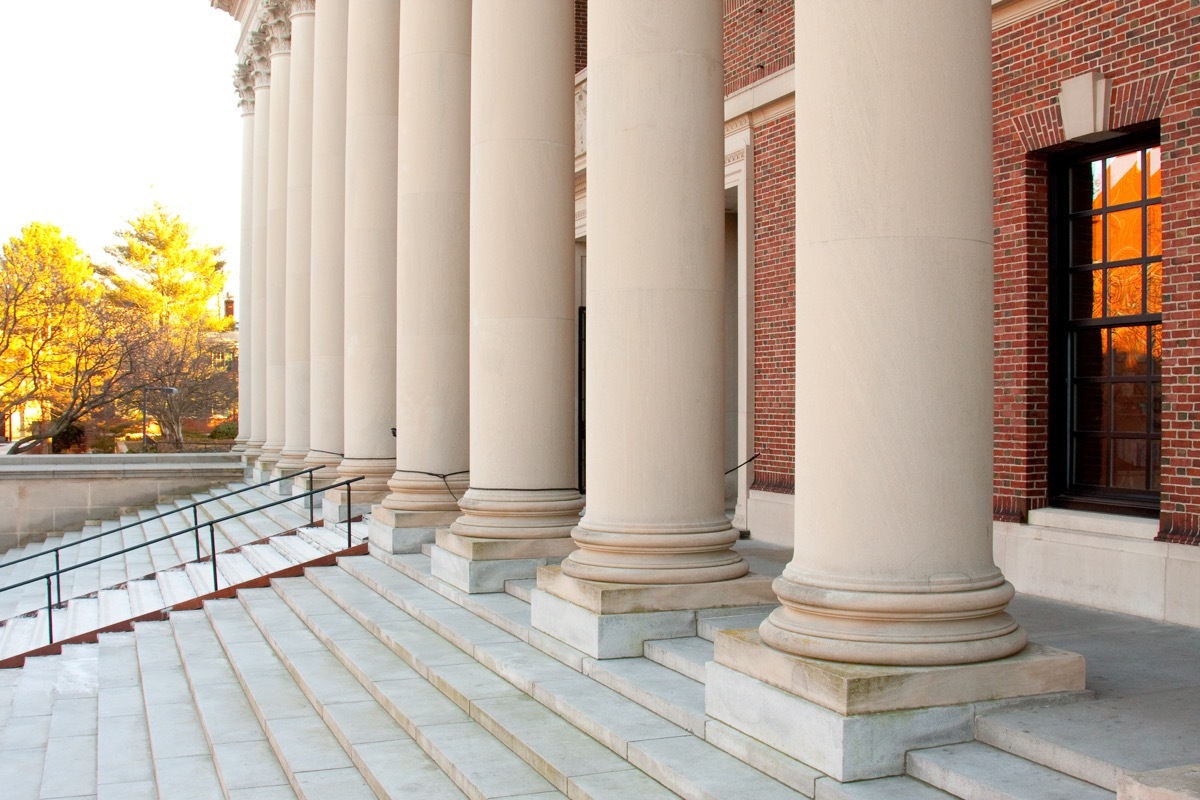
(193, 507)
(211, 524)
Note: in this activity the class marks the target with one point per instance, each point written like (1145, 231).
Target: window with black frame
(1106, 357)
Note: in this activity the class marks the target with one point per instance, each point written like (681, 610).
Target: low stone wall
(41, 494)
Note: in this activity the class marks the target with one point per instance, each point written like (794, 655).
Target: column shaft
(522, 347)
(655, 298)
(370, 300)
(326, 314)
(245, 259)
(893, 559)
(258, 289)
(299, 240)
(432, 302)
(279, 28)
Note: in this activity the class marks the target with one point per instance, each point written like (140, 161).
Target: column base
(856, 721)
(337, 506)
(613, 620)
(477, 565)
(405, 531)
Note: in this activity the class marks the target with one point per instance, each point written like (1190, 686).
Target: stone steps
(976, 771)
(163, 574)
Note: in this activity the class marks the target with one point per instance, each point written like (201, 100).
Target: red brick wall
(775, 304)
(759, 40)
(580, 35)
(1151, 52)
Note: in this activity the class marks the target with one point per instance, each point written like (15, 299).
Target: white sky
(109, 105)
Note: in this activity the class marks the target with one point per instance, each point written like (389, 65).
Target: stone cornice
(228, 6)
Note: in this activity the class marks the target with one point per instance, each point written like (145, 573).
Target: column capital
(302, 7)
(260, 56)
(276, 23)
(243, 84)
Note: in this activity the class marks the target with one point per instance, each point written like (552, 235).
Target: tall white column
(326, 311)
(278, 27)
(370, 300)
(655, 344)
(522, 347)
(243, 80)
(299, 239)
(260, 47)
(432, 303)
(893, 557)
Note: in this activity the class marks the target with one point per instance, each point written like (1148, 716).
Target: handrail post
(196, 527)
(58, 575)
(49, 611)
(312, 515)
(212, 549)
(349, 514)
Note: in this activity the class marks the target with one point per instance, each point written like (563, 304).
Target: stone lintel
(851, 689)
(478, 549)
(1172, 783)
(632, 598)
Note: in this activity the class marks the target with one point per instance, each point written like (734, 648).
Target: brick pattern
(1141, 45)
(1040, 128)
(580, 35)
(775, 304)
(759, 40)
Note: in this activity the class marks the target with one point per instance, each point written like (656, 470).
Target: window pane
(1129, 463)
(1124, 178)
(1124, 291)
(1087, 295)
(1130, 411)
(1156, 408)
(1091, 407)
(1154, 287)
(1125, 234)
(1129, 351)
(1090, 348)
(1086, 186)
(1154, 172)
(1087, 242)
(1091, 461)
(1154, 230)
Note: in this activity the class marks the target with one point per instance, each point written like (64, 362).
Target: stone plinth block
(1173, 783)
(337, 507)
(606, 635)
(402, 531)
(848, 748)
(483, 565)
(632, 598)
(864, 689)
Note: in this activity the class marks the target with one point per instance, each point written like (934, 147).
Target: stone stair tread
(144, 596)
(182, 762)
(522, 589)
(306, 748)
(296, 549)
(123, 740)
(83, 616)
(664, 691)
(975, 769)
(18, 635)
(707, 627)
(114, 606)
(241, 753)
(175, 586)
(691, 767)
(900, 787)
(374, 739)
(326, 539)
(70, 763)
(235, 568)
(443, 729)
(200, 578)
(265, 558)
(687, 655)
(1099, 740)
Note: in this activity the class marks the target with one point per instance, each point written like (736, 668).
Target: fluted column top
(243, 84)
(260, 57)
(276, 23)
(302, 7)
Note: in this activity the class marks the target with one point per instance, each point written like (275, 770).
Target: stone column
(299, 239)
(260, 47)
(278, 28)
(370, 300)
(432, 304)
(243, 81)
(893, 561)
(523, 499)
(326, 312)
(655, 345)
